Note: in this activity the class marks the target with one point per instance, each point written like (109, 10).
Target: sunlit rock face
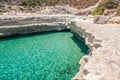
(102, 62)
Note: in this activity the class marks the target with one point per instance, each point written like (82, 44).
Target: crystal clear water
(44, 56)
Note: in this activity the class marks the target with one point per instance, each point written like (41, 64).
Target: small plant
(118, 12)
(30, 3)
(110, 4)
(106, 4)
(34, 3)
(52, 2)
(99, 10)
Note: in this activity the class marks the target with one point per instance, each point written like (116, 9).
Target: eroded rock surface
(104, 61)
(14, 25)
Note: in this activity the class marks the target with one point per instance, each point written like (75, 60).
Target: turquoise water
(44, 56)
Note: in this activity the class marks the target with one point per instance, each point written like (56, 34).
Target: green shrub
(30, 3)
(110, 4)
(52, 2)
(99, 10)
(106, 4)
(34, 3)
(118, 12)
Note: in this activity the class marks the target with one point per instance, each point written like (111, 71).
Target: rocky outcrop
(28, 29)
(103, 61)
(19, 26)
(89, 39)
(114, 20)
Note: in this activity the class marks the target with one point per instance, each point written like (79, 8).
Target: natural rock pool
(44, 56)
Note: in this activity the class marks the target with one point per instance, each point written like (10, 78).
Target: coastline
(99, 64)
(102, 62)
(26, 25)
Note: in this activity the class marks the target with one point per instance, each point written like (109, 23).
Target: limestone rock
(104, 62)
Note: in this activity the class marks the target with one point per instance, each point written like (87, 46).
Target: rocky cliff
(102, 62)
(19, 26)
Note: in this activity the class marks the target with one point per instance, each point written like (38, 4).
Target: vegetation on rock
(106, 4)
(34, 3)
(110, 4)
(99, 10)
(118, 12)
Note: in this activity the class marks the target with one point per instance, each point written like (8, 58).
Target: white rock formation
(104, 63)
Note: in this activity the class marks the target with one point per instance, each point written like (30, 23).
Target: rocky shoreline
(102, 63)
(20, 26)
(88, 38)
(103, 40)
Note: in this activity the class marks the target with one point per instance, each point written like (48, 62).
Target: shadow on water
(84, 48)
(14, 37)
(79, 43)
